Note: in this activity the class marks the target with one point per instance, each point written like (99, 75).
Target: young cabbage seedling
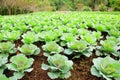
(6, 26)
(37, 29)
(12, 36)
(51, 48)
(20, 64)
(66, 37)
(59, 66)
(114, 32)
(82, 31)
(100, 27)
(29, 49)
(78, 48)
(21, 27)
(48, 36)
(29, 37)
(109, 46)
(90, 39)
(7, 47)
(106, 67)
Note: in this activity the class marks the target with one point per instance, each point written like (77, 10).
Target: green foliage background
(27, 6)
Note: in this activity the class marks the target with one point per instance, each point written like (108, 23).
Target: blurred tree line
(27, 6)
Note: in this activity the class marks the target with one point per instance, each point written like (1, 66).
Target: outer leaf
(18, 75)
(11, 67)
(28, 70)
(97, 62)
(95, 72)
(66, 75)
(3, 59)
(29, 62)
(3, 77)
(68, 51)
(2, 68)
(44, 66)
(53, 75)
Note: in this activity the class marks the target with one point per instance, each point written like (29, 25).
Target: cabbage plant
(6, 26)
(7, 47)
(37, 29)
(66, 37)
(107, 68)
(59, 66)
(97, 34)
(21, 27)
(29, 49)
(20, 64)
(108, 47)
(51, 48)
(114, 32)
(12, 35)
(83, 31)
(3, 61)
(72, 30)
(101, 27)
(90, 38)
(78, 48)
(29, 37)
(48, 36)
(83, 25)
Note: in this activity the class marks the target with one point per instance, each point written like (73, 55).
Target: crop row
(61, 35)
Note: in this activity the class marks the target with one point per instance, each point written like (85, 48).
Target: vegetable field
(58, 45)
